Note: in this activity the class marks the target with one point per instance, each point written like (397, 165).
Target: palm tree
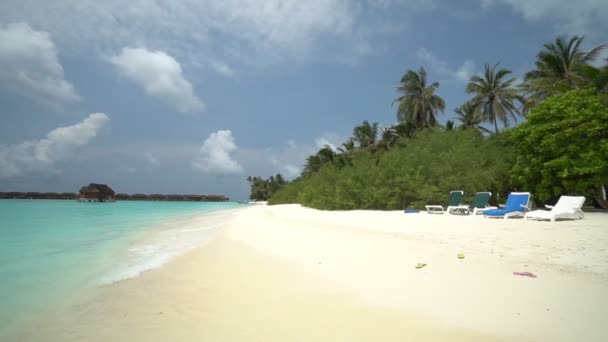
(560, 67)
(470, 117)
(494, 97)
(449, 125)
(347, 146)
(326, 154)
(418, 103)
(312, 165)
(389, 136)
(388, 139)
(405, 129)
(366, 134)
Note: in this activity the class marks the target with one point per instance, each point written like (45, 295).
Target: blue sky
(194, 96)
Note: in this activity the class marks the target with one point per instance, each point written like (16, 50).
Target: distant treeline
(262, 189)
(119, 197)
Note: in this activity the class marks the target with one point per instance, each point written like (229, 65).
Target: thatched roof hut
(96, 193)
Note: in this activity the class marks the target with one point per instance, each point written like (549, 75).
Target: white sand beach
(287, 273)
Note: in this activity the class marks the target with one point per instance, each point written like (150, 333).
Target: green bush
(418, 171)
(563, 146)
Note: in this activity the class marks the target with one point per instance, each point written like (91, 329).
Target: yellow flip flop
(460, 256)
(420, 265)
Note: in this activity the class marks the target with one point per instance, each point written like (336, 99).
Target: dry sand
(287, 273)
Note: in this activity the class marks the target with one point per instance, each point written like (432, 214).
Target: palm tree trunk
(495, 124)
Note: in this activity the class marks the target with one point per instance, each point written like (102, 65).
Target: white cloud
(222, 68)
(290, 159)
(29, 65)
(237, 32)
(215, 156)
(274, 28)
(462, 73)
(151, 160)
(160, 75)
(41, 155)
(330, 139)
(289, 171)
(580, 17)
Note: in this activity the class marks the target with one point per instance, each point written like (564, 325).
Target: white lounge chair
(567, 207)
(454, 201)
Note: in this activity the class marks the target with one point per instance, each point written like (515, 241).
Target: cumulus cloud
(289, 160)
(332, 140)
(242, 32)
(160, 75)
(215, 156)
(462, 73)
(42, 155)
(29, 65)
(583, 16)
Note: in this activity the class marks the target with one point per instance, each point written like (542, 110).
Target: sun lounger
(454, 201)
(567, 207)
(480, 203)
(517, 204)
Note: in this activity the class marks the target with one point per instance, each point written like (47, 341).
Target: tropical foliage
(494, 97)
(563, 146)
(562, 66)
(418, 104)
(470, 117)
(263, 189)
(416, 171)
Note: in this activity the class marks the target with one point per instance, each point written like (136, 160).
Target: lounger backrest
(517, 201)
(455, 198)
(481, 199)
(568, 203)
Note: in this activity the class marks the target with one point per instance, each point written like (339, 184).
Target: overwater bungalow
(96, 193)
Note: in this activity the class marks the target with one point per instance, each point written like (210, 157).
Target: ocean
(50, 250)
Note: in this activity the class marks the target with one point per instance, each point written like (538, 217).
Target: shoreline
(144, 245)
(285, 273)
(161, 243)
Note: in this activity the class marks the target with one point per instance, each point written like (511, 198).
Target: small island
(95, 192)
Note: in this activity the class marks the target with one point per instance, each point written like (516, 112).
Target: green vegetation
(263, 189)
(418, 103)
(495, 98)
(561, 148)
(415, 172)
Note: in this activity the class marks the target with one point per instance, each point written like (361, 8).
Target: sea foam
(165, 242)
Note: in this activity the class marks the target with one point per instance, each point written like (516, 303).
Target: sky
(193, 96)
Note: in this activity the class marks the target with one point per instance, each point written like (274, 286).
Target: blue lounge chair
(517, 204)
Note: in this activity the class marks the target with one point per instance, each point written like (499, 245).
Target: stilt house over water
(96, 193)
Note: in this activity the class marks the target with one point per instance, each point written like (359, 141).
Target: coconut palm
(388, 138)
(347, 147)
(312, 165)
(560, 67)
(418, 103)
(449, 125)
(326, 154)
(470, 117)
(405, 129)
(366, 134)
(495, 97)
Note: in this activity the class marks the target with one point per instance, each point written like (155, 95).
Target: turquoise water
(52, 249)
